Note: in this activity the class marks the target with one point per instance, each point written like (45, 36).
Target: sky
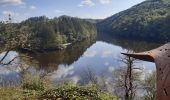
(95, 9)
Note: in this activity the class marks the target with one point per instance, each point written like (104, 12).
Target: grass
(64, 92)
(10, 93)
(70, 92)
(37, 89)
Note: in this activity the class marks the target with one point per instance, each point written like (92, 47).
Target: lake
(96, 56)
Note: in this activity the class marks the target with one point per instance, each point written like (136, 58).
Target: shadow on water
(136, 46)
(51, 60)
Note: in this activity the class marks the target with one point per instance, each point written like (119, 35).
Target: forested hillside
(40, 33)
(149, 20)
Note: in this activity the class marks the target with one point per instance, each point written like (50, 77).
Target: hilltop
(149, 20)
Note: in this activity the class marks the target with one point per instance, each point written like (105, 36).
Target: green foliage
(34, 82)
(11, 37)
(10, 93)
(41, 33)
(34, 86)
(149, 20)
(51, 33)
(69, 92)
(33, 91)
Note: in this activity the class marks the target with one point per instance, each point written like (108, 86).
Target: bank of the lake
(75, 61)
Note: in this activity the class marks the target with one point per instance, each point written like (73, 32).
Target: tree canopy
(40, 33)
(149, 20)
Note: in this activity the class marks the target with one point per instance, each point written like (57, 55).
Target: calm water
(73, 63)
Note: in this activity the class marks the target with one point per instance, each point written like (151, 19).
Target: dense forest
(42, 33)
(149, 20)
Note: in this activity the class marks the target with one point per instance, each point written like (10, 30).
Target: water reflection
(9, 74)
(51, 60)
(101, 58)
(10, 56)
(71, 64)
(137, 46)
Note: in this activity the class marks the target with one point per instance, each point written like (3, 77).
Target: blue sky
(96, 9)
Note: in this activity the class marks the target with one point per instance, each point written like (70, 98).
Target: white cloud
(75, 79)
(145, 72)
(62, 72)
(33, 7)
(106, 63)
(106, 53)
(11, 2)
(86, 3)
(90, 53)
(111, 69)
(58, 11)
(6, 13)
(104, 1)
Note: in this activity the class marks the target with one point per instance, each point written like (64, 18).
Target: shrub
(35, 82)
(34, 85)
(69, 92)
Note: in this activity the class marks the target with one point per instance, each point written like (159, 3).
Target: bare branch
(4, 56)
